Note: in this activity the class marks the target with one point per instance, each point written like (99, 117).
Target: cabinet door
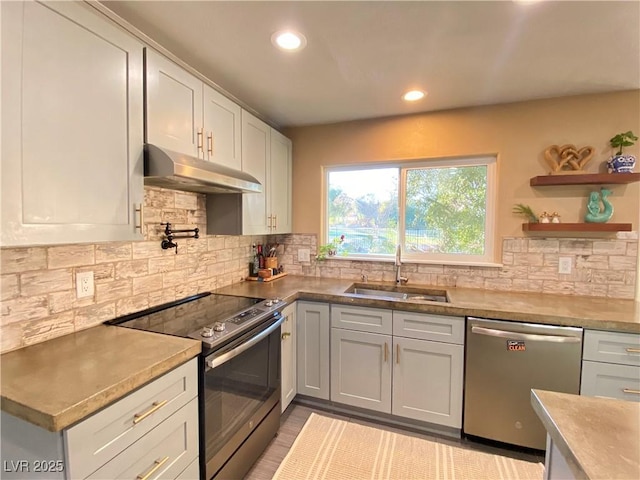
(256, 152)
(288, 365)
(427, 381)
(72, 148)
(222, 129)
(312, 330)
(610, 381)
(361, 369)
(280, 175)
(174, 106)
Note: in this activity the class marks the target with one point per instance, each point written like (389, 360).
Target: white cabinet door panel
(174, 106)
(72, 126)
(222, 124)
(363, 319)
(312, 330)
(361, 369)
(288, 365)
(280, 175)
(427, 381)
(256, 152)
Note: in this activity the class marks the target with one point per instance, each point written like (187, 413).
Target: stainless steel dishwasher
(504, 361)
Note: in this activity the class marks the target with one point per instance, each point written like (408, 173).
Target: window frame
(403, 165)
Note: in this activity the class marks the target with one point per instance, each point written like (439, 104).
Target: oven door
(241, 385)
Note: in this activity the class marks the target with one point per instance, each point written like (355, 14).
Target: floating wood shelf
(586, 179)
(576, 227)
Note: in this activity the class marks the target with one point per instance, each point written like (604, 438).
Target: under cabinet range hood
(177, 171)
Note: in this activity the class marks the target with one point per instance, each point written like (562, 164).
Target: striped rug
(327, 448)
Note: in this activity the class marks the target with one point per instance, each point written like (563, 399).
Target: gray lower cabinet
(150, 433)
(288, 356)
(361, 369)
(363, 319)
(312, 331)
(611, 365)
(427, 381)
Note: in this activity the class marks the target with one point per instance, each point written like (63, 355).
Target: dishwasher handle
(532, 337)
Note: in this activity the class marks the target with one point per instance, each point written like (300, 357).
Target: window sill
(386, 259)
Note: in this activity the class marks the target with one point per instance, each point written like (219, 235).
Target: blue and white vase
(621, 164)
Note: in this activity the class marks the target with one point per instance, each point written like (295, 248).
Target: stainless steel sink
(398, 294)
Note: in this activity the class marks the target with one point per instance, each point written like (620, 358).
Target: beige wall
(518, 133)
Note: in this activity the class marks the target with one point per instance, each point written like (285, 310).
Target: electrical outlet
(304, 255)
(84, 284)
(564, 265)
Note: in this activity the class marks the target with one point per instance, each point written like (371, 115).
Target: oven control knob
(219, 326)
(276, 301)
(268, 303)
(207, 332)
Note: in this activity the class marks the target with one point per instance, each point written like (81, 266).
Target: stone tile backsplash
(38, 289)
(38, 284)
(600, 267)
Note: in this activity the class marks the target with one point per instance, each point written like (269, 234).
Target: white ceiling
(362, 56)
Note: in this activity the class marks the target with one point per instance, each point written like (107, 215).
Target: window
(440, 210)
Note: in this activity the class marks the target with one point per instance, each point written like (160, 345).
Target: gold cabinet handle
(156, 465)
(630, 390)
(139, 210)
(633, 350)
(138, 417)
(386, 352)
(275, 222)
(285, 335)
(270, 222)
(200, 145)
(398, 354)
(210, 144)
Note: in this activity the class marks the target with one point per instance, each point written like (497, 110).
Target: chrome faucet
(399, 279)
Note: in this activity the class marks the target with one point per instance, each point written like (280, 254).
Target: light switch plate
(564, 265)
(84, 284)
(304, 255)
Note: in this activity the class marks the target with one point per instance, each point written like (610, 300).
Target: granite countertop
(59, 382)
(588, 312)
(598, 437)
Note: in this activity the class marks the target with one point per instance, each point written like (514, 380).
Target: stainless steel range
(239, 384)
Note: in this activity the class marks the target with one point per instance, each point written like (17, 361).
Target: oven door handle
(243, 347)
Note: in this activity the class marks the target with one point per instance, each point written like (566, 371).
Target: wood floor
(295, 417)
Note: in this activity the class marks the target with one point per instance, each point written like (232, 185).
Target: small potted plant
(330, 249)
(620, 163)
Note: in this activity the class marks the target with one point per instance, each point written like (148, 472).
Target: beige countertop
(566, 310)
(59, 382)
(598, 437)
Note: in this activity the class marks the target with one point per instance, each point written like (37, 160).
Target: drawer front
(426, 326)
(610, 380)
(192, 472)
(612, 347)
(362, 319)
(164, 452)
(96, 440)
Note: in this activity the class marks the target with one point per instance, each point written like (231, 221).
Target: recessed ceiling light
(289, 40)
(413, 95)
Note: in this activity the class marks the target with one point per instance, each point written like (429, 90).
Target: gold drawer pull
(386, 352)
(285, 335)
(633, 350)
(141, 416)
(398, 354)
(156, 466)
(630, 390)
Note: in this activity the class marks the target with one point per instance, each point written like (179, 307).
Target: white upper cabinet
(280, 175)
(222, 126)
(187, 116)
(174, 106)
(256, 157)
(72, 126)
(266, 154)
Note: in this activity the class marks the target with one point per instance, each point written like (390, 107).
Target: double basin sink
(397, 293)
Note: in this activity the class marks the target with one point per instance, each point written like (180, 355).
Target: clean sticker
(516, 345)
